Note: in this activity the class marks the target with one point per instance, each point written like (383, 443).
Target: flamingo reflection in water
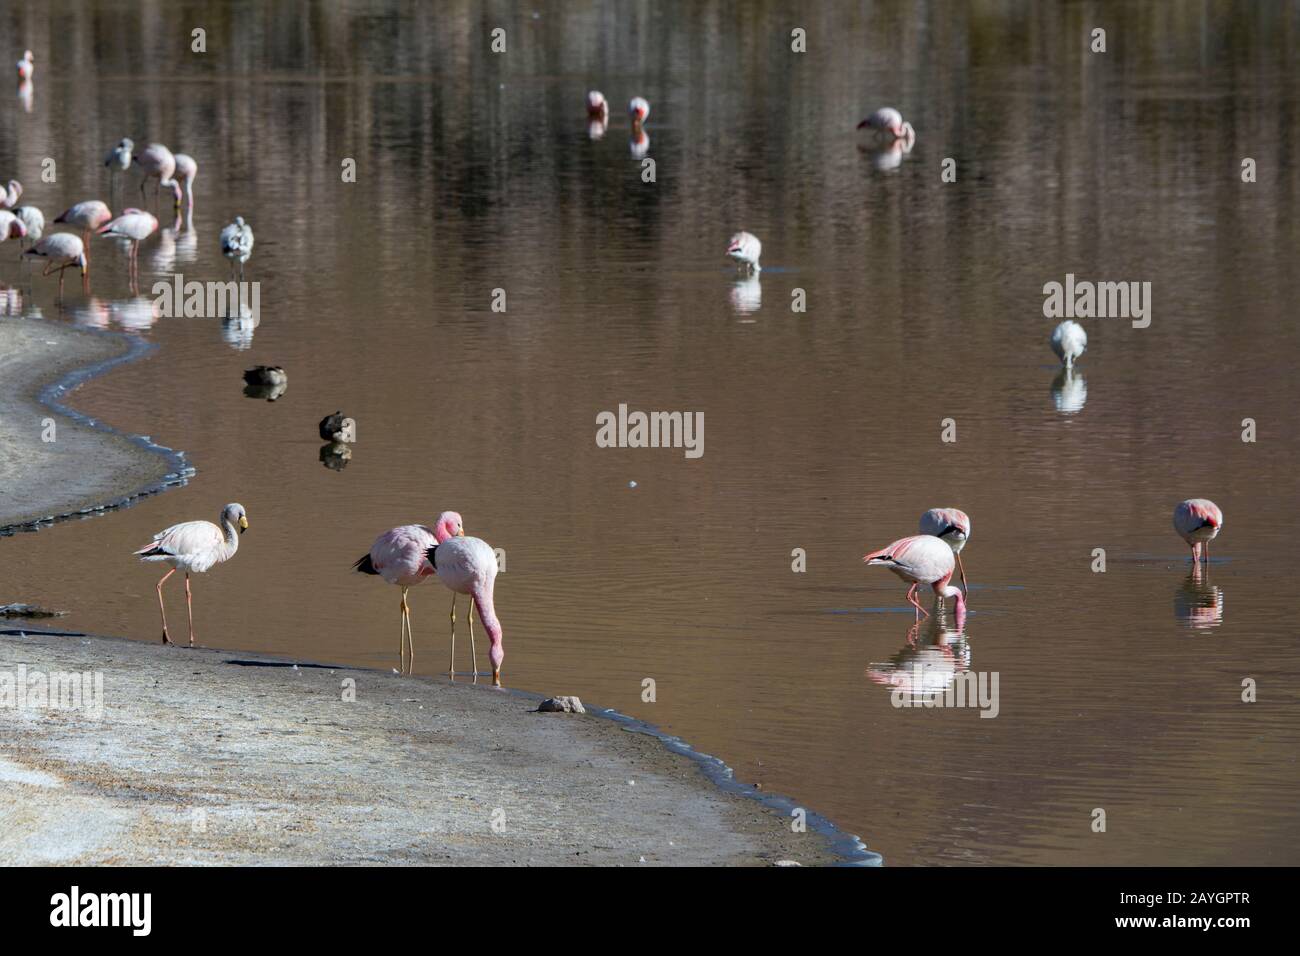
(1197, 602)
(928, 670)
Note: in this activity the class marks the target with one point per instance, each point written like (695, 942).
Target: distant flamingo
(62, 249)
(10, 195)
(1069, 341)
(398, 556)
(952, 526)
(186, 170)
(86, 216)
(237, 244)
(157, 162)
(469, 566)
(194, 546)
(639, 110)
(27, 66)
(133, 224)
(118, 160)
(33, 221)
(889, 121)
(11, 226)
(745, 249)
(921, 559)
(1198, 521)
(597, 107)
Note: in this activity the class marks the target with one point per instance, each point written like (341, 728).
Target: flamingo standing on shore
(398, 556)
(157, 161)
(921, 559)
(469, 566)
(1198, 521)
(27, 66)
(953, 526)
(86, 216)
(745, 249)
(237, 244)
(1069, 341)
(133, 224)
(63, 250)
(186, 170)
(10, 195)
(194, 546)
(889, 121)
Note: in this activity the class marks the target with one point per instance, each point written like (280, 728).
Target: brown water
(924, 302)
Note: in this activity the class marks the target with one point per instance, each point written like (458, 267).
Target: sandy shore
(216, 757)
(89, 467)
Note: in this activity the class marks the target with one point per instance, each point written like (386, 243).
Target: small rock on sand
(561, 705)
(28, 610)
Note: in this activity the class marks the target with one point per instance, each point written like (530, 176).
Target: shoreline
(41, 364)
(283, 770)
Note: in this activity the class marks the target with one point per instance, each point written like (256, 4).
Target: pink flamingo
(11, 226)
(27, 66)
(597, 106)
(398, 556)
(1198, 521)
(186, 170)
(953, 526)
(157, 161)
(63, 249)
(469, 566)
(745, 249)
(86, 216)
(133, 224)
(194, 546)
(639, 110)
(889, 121)
(921, 559)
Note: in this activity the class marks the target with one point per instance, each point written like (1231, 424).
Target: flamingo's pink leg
(473, 651)
(189, 604)
(451, 668)
(161, 608)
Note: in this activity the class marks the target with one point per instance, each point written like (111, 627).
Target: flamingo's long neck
(482, 594)
(231, 544)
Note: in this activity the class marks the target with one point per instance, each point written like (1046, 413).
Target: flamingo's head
(449, 525)
(235, 515)
(177, 195)
(17, 230)
(638, 109)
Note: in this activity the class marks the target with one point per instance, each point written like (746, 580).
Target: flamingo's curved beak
(243, 524)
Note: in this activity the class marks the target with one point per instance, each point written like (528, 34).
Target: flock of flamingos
(406, 556)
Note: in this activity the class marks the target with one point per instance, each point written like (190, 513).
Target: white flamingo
(86, 216)
(888, 121)
(398, 556)
(157, 162)
(469, 566)
(118, 160)
(953, 526)
(186, 170)
(1198, 521)
(62, 250)
(921, 559)
(11, 226)
(745, 249)
(639, 110)
(27, 66)
(33, 221)
(1069, 341)
(194, 547)
(136, 225)
(237, 244)
(10, 195)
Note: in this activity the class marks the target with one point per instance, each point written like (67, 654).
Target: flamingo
(469, 566)
(1198, 521)
(921, 559)
(952, 526)
(639, 110)
(10, 194)
(1069, 341)
(194, 546)
(27, 66)
(398, 556)
(745, 249)
(63, 248)
(597, 106)
(11, 227)
(33, 221)
(118, 160)
(133, 224)
(186, 170)
(86, 216)
(888, 120)
(156, 160)
(237, 244)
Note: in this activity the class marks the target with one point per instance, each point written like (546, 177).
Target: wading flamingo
(745, 249)
(237, 244)
(1069, 341)
(62, 251)
(597, 106)
(27, 66)
(118, 160)
(921, 559)
(133, 224)
(1198, 521)
(889, 121)
(639, 110)
(952, 526)
(11, 226)
(10, 195)
(398, 556)
(157, 161)
(194, 546)
(33, 221)
(186, 170)
(469, 566)
(86, 216)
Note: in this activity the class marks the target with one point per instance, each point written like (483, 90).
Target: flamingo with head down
(953, 526)
(1198, 522)
(921, 559)
(469, 566)
(889, 122)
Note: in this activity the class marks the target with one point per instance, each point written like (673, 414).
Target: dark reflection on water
(478, 172)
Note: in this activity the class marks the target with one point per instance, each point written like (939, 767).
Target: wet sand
(87, 468)
(218, 757)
